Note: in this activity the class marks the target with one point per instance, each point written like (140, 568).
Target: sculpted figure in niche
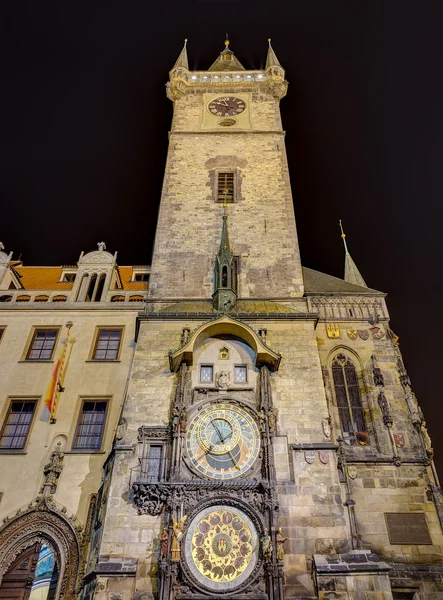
(280, 540)
(177, 537)
(222, 379)
(266, 546)
(52, 470)
(164, 544)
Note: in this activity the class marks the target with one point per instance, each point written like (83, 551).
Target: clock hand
(221, 441)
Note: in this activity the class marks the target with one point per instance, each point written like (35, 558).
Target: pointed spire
(225, 292)
(227, 60)
(352, 274)
(182, 60)
(271, 59)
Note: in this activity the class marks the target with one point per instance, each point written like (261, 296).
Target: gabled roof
(320, 283)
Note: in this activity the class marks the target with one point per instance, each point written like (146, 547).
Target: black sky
(84, 125)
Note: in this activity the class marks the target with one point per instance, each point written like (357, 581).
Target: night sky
(84, 126)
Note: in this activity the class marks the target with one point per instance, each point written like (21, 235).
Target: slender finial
(227, 42)
(269, 42)
(186, 41)
(343, 235)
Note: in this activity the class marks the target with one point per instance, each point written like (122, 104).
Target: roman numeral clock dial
(226, 106)
(223, 441)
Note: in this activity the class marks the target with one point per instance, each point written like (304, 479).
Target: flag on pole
(55, 386)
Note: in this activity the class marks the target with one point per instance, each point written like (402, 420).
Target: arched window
(41, 298)
(347, 393)
(101, 285)
(136, 299)
(5, 298)
(224, 281)
(90, 292)
(59, 298)
(117, 299)
(23, 298)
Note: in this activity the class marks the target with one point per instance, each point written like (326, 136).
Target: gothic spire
(271, 59)
(227, 60)
(352, 274)
(225, 282)
(182, 60)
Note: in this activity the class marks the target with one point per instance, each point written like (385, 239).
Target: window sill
(102, 360)
(85, 451)
(12, 452)
(31, 360)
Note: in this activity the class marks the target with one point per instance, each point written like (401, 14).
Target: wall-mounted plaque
(407, 528)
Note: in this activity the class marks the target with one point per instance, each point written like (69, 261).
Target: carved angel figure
(177, 537)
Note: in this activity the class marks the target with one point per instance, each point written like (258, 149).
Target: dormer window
(141, 276)
(68, 277)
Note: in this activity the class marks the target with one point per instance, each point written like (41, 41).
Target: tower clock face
(227, 106)
(223, 441)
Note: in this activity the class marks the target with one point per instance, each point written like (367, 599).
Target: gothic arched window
(347, 393)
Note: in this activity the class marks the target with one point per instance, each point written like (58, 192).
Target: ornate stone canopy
(225, 325)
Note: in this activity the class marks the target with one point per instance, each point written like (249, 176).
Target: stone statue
(326, 424)
(183, 420)
(427, 440)
(280, 540)
(384, 407)
(52, 470)
(164, 544)
(177, 537)
(223, 379)
(266, 546)
(175, 419)
(271, 420)
(101, 246)
(262, 417)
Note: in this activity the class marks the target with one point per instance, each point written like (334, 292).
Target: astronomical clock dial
(223, 441)
(226, 106)
(221, 547)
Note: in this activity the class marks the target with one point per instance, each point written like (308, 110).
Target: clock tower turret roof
(227, 60)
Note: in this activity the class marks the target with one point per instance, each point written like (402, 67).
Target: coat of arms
(323, 456)
(363, 333)
(362, 437)
(352, 472)
(377, 333)
(310, 456)
(352, 334)
(333, 330)
(399, 439)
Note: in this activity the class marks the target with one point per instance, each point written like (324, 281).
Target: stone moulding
(151, 498)
(43, 521)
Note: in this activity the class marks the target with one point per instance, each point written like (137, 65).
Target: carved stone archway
(43, 521)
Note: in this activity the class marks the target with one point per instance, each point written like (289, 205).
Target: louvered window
(347, 393)
(225, 187)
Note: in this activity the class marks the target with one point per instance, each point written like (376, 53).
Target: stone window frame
(153, 436)
(213, 176)
(243, 366)
(88, 449)
(98, 330)
(30, 341)
(362, 385)
(211, 365)
(6, 413)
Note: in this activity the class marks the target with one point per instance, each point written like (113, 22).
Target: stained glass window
(206, 373)
(347, 393)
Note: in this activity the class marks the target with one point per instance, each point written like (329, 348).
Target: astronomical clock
(214, 490)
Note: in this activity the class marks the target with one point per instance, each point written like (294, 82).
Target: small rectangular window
(225, 187)
(17, 424)
(240, 374)
(206, 373)
(2, 331)
(107, 344)
(141, 276)
(42, 344)
(68, 277)
(90, 426)
(153, 468)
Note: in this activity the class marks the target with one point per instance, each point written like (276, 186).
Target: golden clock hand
(228, 451)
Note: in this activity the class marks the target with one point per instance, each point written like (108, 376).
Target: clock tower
(257, 414)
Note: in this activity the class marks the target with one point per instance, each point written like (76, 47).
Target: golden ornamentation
(333, 330)
(222, 546)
